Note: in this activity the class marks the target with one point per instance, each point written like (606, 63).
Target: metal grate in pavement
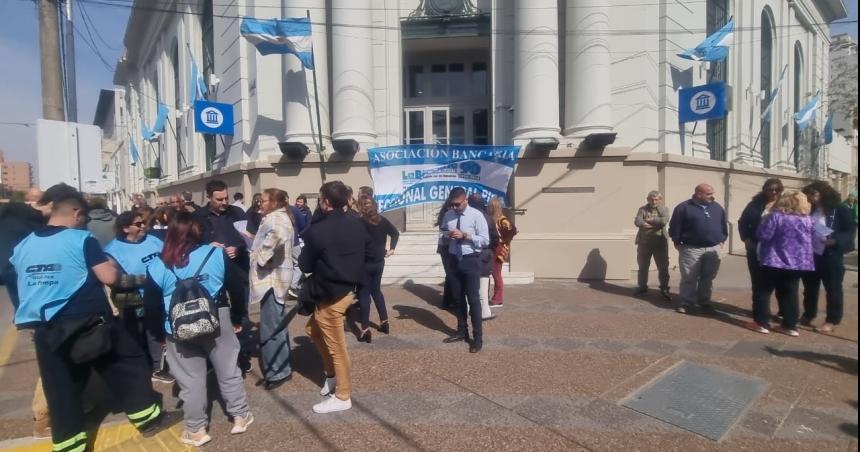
(699, 399)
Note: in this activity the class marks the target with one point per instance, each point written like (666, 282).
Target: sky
(20, 79)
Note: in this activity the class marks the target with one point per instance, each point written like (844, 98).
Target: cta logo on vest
(44, 268)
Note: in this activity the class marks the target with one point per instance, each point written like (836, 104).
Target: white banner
(415, 174)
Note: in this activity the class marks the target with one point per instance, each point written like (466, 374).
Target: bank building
(587, 88)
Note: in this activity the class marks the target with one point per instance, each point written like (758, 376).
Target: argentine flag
(715, 47)
(196, 85)
(806, 115)
(158, 128)
(768, 111)
(281, 36)
(828, 130)
(132, 147)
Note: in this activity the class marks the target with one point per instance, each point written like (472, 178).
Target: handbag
(83, 340)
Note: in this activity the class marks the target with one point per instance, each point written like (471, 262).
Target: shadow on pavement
(306, 360)
(387, 426)
(425, 318)
(428, 294)
(835, 362)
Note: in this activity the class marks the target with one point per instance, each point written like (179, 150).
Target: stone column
(352, 71)
(536, 104)
(588, 81)
(300, 101)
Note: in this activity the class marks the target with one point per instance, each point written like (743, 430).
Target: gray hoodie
(101, 225)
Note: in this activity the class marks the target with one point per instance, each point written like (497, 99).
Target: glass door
(439, 118)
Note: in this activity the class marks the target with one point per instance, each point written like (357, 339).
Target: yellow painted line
(7, 346)
(120, 437)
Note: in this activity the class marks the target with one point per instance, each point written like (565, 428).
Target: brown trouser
(325, 329)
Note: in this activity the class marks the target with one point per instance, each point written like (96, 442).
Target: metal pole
(321, 148)
(70, 82)
(49, 45)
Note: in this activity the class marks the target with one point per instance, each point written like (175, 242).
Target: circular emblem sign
(211, 117)
(703, 102)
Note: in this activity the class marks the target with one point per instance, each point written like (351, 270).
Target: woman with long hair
(758, 208)
(834, 236)
(183, 257)
(133, 250)
(159, 221)
(380, 230)
(785, 252)
(270, 278)
(255, 215)
(507, 231)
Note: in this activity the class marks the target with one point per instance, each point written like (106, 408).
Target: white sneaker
(241, 423)
(195, 439)
(328, 386)
(332, 404)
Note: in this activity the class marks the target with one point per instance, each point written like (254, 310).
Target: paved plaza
(557, 363)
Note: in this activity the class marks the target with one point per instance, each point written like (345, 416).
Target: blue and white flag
(196, 84)
(157, 128)
(715, 47)
(767, 114)
(132, 147)
(415, 174)
(281, 36)
(806, 116)
(828, 130)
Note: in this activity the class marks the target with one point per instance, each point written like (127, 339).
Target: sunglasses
(139, 224)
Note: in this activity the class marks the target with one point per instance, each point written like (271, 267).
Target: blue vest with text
(135, 258)
(211, 277)
(50, 271)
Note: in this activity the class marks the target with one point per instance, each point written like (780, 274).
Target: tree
(843, 89)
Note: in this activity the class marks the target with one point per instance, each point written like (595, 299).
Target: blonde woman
(785, 253)
(270, 278)
(507, 231)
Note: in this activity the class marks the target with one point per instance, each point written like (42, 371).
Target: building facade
(15, 176)
(588, 88)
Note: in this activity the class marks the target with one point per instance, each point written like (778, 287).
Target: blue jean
(274, 340)
(466, 285)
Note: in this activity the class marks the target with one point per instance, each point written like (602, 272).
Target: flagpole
(317, 99)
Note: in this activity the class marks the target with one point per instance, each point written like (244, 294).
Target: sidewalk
(556, 364)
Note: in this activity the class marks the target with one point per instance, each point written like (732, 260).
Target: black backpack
(193, 313)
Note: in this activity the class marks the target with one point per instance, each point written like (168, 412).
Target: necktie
(459, 244)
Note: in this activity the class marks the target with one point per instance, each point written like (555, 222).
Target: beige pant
(325, 329)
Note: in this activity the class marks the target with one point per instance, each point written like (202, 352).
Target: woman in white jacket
(270, 276)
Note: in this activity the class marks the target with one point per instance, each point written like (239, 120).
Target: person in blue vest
(60, 270)
(133, 250)
(182, 256)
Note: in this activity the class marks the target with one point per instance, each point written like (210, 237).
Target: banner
(699, 103)
(213, 118)
(415, 174)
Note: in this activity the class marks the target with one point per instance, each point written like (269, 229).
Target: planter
(153, 172)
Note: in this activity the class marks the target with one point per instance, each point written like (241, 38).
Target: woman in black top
(379, 229)
(255, 215)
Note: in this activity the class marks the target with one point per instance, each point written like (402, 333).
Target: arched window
(716, 132)
(767, 39)
(797, 99)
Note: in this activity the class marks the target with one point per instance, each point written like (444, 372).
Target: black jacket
(751, 218)
(17, 221)
(336, 249)
(841, 220)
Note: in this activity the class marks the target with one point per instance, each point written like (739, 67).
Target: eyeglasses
(139, 224)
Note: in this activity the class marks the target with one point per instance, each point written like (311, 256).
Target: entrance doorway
(446, 101)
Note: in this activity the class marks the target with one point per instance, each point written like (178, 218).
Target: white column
(588, 74)
(352, 71)
(301, 103)
(536, 108)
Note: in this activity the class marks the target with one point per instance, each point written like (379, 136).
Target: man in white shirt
(468, 232)
(239, 201)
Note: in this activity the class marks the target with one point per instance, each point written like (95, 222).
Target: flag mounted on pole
(715, 47)
(806, 115)
(132, 147)
(288, 35)
(157, 128)
(767, 114)
(828, 130)
(197, 88)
